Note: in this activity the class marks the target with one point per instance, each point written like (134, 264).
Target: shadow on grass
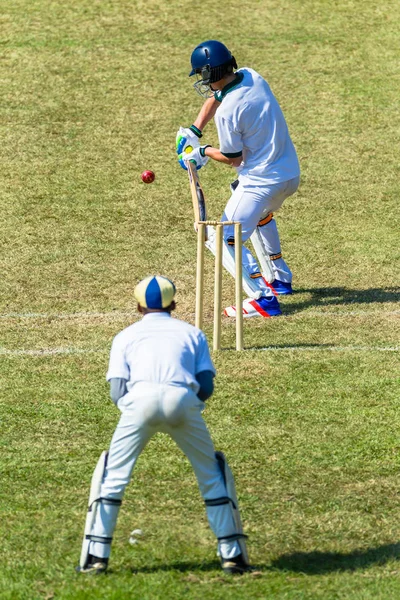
(182, 566)
(189, 567)
(308, 563)
(338, 296)
(318, 563)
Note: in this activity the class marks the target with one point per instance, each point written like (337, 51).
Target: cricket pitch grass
(308, 415)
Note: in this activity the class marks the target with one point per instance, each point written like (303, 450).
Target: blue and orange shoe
(283, 288)
(263, 307)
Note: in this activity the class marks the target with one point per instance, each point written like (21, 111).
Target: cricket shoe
(95, 566)
(283, 288)
(235, 566)
(263, 307)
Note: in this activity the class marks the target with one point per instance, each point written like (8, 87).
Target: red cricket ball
(148, 176)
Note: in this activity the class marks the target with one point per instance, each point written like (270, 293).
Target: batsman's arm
(215, 154)
(206, 113)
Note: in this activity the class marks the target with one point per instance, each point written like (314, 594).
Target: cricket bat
(199, 202)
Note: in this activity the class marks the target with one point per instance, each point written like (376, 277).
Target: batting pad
(94, 497)
(231, 491)
(250, 286)
(263, 258)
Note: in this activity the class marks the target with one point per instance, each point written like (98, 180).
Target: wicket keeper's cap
(155, 292)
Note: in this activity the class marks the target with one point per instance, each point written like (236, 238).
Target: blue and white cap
(155, 292)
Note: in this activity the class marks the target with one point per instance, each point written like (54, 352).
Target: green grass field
(308, 416)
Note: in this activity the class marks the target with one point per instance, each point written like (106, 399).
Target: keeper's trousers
(176, 410)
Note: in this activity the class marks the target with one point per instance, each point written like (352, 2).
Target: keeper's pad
(250, 286)
(231, 491)
(263, 257)
(94, 501)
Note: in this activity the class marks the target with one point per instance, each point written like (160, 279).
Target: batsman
(254, 139)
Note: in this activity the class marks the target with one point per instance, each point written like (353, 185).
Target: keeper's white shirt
(249, 120)
(160, 349)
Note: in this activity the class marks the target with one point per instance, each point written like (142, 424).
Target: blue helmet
(212, 61)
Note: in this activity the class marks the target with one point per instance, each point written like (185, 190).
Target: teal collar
(220, 95)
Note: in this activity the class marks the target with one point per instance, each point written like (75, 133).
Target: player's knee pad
(95, 500)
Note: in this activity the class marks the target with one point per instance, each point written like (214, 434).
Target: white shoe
(263, 307)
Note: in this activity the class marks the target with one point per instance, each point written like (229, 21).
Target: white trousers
(176, 410)
(249, 204)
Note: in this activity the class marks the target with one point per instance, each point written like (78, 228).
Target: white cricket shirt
(159, 349)
(249, 120)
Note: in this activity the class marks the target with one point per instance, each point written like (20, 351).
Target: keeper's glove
(196, 156)
(187, 136)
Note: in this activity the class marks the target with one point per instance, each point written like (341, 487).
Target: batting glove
(196, 156)
(187, 136)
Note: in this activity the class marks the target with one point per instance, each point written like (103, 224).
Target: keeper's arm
(205, 379)
(117, 389)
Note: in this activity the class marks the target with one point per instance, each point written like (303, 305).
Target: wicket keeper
(160, 375)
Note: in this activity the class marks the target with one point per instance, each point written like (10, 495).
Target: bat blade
(198, 199)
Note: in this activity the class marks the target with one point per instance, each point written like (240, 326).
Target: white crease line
(305, 348)
(120, 315)
(48, 351)
(77, 315)
(329, 348)
(350, 313)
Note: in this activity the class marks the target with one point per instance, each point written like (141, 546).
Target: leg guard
(232, 497)
(94, 502)
(269, 237)
(250, 286)
(262, 255)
